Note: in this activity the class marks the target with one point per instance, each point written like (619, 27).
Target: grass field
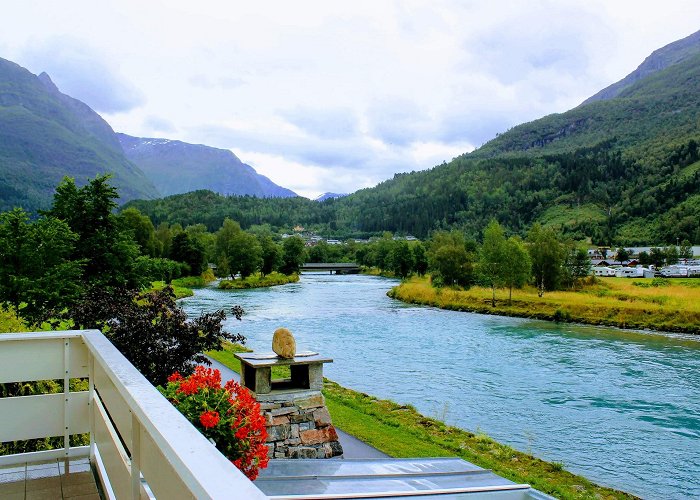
(656, 304)
(401, 432)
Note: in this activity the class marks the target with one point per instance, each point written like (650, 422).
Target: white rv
(603, 271)
(634, 272)
(675, 272)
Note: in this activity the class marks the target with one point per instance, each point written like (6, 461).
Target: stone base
(299, 426)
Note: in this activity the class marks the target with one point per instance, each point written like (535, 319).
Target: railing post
(91, 404)
(66, 395)
(135, 458)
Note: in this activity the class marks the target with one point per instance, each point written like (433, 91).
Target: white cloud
(333, 97)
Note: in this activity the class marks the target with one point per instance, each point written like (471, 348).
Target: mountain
(326, 196)
(624, 169)
(46, 135)
(177, 167)
(662, 58)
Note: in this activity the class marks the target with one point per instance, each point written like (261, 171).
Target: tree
(244, 255)
(623, 254)
(402, 259)
(577, 265)
(271, 255)
(152, 331)
(142, 230)
(644, 258)
(657, 257)
(293, 255)
(109, 252)
(420, 257)
(492, 258)
(671, 255)
(37, 275)
(517, 265)
(190, 251)
(319, 252)
(686, 250)
(547, 258)
(451, 259)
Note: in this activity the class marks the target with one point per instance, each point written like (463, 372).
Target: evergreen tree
(109, 252)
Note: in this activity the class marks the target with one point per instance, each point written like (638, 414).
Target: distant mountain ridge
(326, 196)
(46, 135)
(660, 59)
(177, 167)
(661, 98)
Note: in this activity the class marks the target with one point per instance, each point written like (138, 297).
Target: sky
(326, 96)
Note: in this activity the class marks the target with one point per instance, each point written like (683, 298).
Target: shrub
(228, 416)
(152, 331)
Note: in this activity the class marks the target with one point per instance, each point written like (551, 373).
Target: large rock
(283, 343)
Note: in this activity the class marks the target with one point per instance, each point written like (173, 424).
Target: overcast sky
(336, 96)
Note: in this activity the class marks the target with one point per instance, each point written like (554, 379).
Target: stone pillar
(297, 420)
(299, 426)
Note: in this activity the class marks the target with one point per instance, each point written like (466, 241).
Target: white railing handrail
(204, 471)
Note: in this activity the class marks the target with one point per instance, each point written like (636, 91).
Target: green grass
(180, 291)
(619, 302)
(401, 432)
(257, 281)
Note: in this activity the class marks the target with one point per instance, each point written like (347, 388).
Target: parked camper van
(603, 271)
(634, 272)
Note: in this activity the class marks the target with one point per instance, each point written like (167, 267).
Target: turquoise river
(619, 407)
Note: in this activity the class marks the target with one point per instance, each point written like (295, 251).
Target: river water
(619, 407)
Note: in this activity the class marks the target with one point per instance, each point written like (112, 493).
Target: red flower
(236, 424)
(209, 419)
(188, 387)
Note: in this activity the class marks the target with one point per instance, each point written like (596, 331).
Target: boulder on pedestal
(283, 343)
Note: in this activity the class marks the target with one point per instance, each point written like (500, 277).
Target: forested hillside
(46, 135)
(621, 170)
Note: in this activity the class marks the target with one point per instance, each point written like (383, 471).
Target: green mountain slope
(178, 167)
(46, 135)
(619, 170)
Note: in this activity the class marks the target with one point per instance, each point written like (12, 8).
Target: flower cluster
(229, 416)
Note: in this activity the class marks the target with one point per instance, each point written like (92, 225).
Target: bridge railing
(140, 444)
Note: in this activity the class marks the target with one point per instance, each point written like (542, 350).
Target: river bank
(401, 431)
(658, 304)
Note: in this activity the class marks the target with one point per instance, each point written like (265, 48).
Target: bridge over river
(337, 267)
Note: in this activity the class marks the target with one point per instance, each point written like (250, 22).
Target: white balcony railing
(140, 444)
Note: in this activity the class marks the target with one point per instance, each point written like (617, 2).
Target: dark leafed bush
(152, 331)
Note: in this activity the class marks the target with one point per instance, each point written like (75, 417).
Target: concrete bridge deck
(337, 267)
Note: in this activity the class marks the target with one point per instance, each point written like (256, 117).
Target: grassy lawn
(257, 281)
(657, 304)
(401, 432)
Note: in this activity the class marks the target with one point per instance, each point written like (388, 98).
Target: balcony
(140, 445)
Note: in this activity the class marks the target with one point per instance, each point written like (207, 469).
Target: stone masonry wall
(299, 426)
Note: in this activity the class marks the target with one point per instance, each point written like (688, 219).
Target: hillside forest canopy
(598, 193)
